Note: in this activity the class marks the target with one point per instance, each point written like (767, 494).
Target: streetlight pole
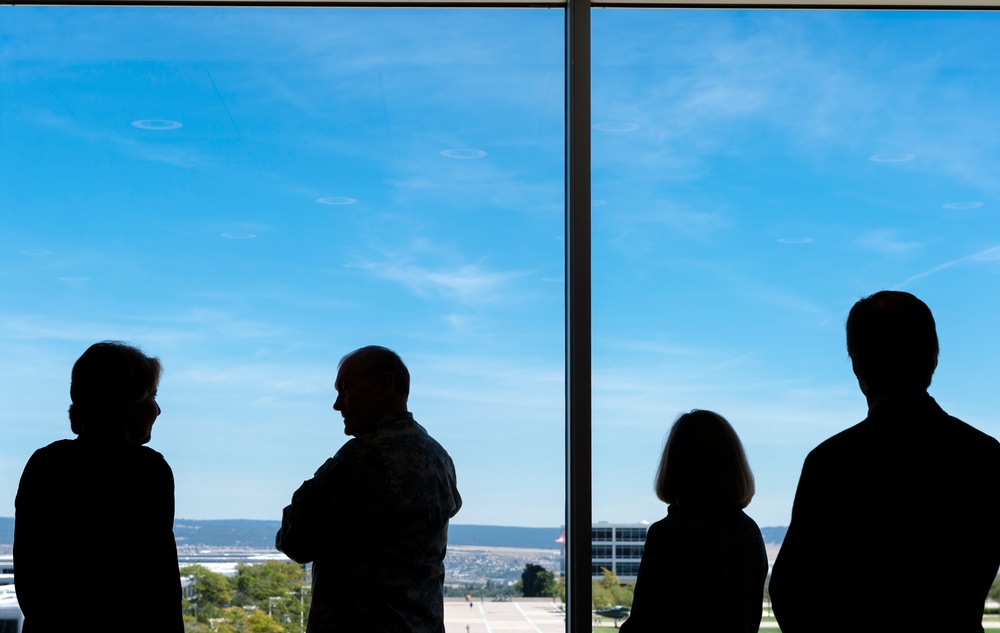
(302, 606)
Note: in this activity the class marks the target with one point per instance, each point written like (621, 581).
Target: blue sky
(249, 194)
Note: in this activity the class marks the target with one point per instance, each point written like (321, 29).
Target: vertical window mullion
(578, 318)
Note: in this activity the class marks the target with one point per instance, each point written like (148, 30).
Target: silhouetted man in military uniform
(373, 520)
(894, 526)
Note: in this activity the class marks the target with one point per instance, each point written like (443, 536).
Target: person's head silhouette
(892, 342)
(372, 383)
(703, 464)
(113, 390)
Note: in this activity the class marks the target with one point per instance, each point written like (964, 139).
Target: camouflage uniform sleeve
(295, 537)
(311, 523)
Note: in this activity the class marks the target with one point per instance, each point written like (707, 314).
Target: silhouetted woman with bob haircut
(703, 566)
(95, 515)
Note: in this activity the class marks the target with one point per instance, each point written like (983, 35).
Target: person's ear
(386, 384)
(861, 381)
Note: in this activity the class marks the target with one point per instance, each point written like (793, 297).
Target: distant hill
(226, 533)
(246, 533)
(260, 534)
(774, 535)
(498, 536)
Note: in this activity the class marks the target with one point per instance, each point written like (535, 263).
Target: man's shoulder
(841, 442)
(971, 433)
(922, 424)
(406, 435)
(400, 438)
(59, 447)
(968, 444)
(354, 450)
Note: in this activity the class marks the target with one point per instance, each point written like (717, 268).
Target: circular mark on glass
(157, 124)
(598, 202)
(336, 200)
(891, 158)
(239, 236)
(962, 205)
(795, 240)
(463, 153)
(616, 126)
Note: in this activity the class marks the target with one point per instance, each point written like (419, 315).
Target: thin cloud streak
(886, 242)
(988, 255)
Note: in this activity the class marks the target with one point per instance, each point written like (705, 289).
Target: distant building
(10, 614)
(221, 562)
(617, 547)
(6, 571)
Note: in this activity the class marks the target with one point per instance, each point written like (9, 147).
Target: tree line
(538, 582)
(272, 597)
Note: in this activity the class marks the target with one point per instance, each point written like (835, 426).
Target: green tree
(537, 582)
(275, 588)
(256, 583)
(609, 592)
(192, 625)
(601, 597)
(993, 594)
(561, 588)
(247, 620)
(211, 592)
(624, 595)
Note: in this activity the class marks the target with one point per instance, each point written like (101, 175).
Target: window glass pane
(251, 193)
(755, 173)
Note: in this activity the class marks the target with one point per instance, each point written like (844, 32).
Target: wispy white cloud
(645, 346)
(638, 229)
(187, 156)
(988, 255)
(802, 84)
(469, 283)
(778, 417)
(689, 222)
(170, 330)
(887, 242)
(430, 269)
(766, 292)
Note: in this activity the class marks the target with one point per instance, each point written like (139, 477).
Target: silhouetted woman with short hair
(93, 536)
(704, 565)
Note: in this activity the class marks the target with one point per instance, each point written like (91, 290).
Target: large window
(249, 193)
(754, 174)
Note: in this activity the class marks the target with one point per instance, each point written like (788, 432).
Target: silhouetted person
(373, 520)
(704, 565)
(894, 526)
(94, 545)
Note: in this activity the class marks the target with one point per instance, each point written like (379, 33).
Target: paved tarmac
(531, 615)
(524, 615)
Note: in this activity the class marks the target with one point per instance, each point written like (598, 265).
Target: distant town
(477, 554)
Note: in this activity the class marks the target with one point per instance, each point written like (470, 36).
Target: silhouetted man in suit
(895, 523)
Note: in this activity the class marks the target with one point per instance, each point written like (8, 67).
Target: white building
(617, 547)
(6, 569)
(10, 613)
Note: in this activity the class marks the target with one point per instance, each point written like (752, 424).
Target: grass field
(768, 625)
